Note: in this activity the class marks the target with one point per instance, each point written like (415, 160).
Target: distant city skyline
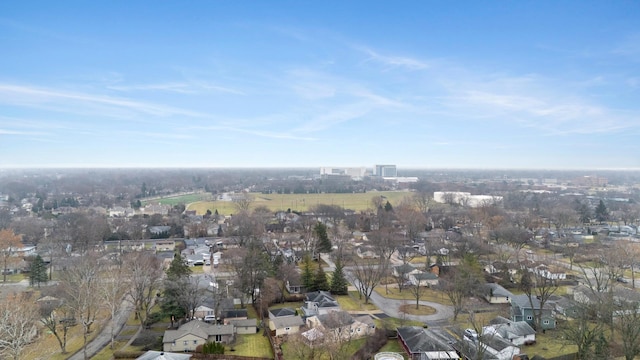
(418, 84)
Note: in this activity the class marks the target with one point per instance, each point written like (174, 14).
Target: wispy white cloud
(393, 60)
(191, 87)
(21, 95)
(21, 133)
(261, 133)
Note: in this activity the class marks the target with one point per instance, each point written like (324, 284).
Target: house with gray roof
(340, 326)
(523, 307)
(162, 355)
(496, 294)
(425, 344)
(516, 332)
(244, 326)
(318, 303)
(188, 336)
(423, 278)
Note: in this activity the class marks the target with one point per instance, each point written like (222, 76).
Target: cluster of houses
(501, 339)
(319, 319)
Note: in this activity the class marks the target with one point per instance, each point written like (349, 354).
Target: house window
(218, 338)
(529, 317)
(546, 322)
(195, 342)
(287, 329)
(358, 329)
(185, 343)
(174, 343)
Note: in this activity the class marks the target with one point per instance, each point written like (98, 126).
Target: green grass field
(181, 199)
(302, 202)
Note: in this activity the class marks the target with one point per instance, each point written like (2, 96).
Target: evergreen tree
(320, 282)
(339, 282)
(38, 272)
(177, 276)
(178, 268)
(307, 274)
(602, 213)
(324, 244)
(388, 207)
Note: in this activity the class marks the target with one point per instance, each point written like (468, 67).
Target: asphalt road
(391, 307)
(104, 337)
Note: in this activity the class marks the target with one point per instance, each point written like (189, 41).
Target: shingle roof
(161, 355)
(497, 290)
(289, 321)
(283, 312)
(419, 339)
(197, 328)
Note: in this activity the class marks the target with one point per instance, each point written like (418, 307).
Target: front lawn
(352, 302)
(427, 294)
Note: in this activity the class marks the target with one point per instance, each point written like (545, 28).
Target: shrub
(213, 348)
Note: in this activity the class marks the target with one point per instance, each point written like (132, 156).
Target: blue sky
(428, 84)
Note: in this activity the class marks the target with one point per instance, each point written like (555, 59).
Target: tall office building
(385, 171)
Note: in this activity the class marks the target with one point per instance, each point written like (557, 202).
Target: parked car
(471, 335)
(210, 318)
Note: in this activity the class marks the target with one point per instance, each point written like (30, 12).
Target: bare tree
(537, 286)
(143, 277)
(366, 276)
(112, 291)
(57, 318)
(584, 334)
(300, 348)
(628, 324)
(80, 283)
(9, 244)
(243, 203)
(18, 318)
(465, 280)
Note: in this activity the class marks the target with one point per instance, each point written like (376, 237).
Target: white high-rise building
(385, 171)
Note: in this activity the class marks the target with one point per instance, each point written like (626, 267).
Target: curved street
(391, 307)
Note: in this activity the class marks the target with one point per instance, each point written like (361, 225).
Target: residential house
(339, 326)
(486, 347)
(284, 321)
(550, 272)
(244, 326)
(404, 271)
(496, 294)
(566, 308)
(423, 278)
(160, 230)
(294, 284)
(367, 252)
(119, 211)
(425, 344)
(188, 336)
(163, 355)
(319, 303)
(165, 245)
(207, 308)
(522, 310)
(516, 332)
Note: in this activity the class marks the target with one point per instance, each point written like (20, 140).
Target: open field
(180, 199)
(302, 202)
